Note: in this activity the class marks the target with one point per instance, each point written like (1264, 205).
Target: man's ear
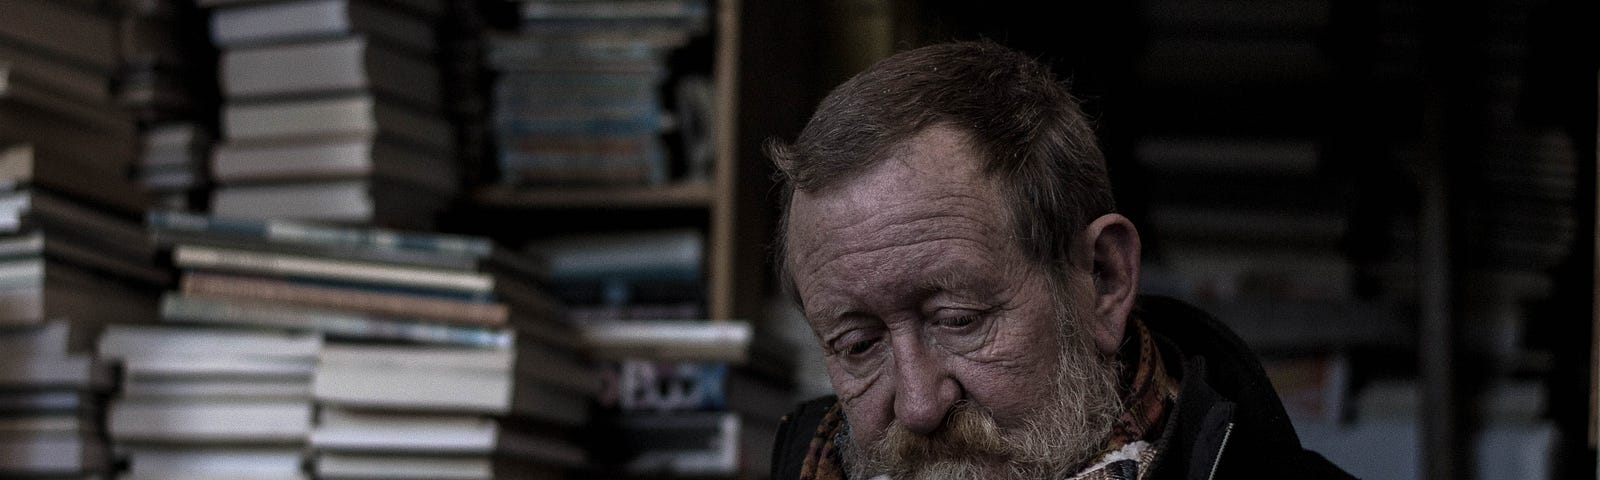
(1114, 244)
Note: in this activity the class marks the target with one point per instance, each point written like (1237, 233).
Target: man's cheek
(849, 386)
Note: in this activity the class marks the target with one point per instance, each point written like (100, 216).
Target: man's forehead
(934, 163)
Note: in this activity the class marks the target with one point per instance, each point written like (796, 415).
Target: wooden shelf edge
(679, 195)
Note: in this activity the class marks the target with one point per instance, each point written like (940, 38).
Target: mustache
(968, 432)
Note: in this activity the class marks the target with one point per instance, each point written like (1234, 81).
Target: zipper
(1226, 432)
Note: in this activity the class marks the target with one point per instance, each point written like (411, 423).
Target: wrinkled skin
(920, 297)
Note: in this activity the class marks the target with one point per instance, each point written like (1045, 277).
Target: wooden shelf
(682, 195)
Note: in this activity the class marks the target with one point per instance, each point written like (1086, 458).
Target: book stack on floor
(332, 111)
(67, 258)
(210, 402)
(50, 405)
(681, 397)
(578, 98)
(114, 70)
(443, 358)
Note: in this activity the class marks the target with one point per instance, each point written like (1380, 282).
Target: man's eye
(962, 321)
(861, 347)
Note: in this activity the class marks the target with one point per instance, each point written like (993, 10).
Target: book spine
(180, 308)
(282, 291)
(196, 257)
(307, 234)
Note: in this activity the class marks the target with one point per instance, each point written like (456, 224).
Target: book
(289, 292)
(122, 341)
(359, 63)
(322, 235)
(335, 324)
(52, 454)
(355, 431)
(245, 261)
(85, 37)
(260, 421)
(80, 178)
(668, 339)
(434, 389)
(245, 25)
(164, 388)
(583, 160)
(340, 158)
(371, 201)
(510, 52)
(646, 255)
(644, 385)
(680, 444)
(55, 73)
(38, 290)
(345, 116)
(154, 461)
(418, 467)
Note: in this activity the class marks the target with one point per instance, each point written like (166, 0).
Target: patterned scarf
(1149, 392)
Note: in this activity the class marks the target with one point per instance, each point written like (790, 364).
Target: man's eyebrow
(828, 315)
(944, 282)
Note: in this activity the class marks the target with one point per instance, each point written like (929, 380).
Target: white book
(348, 430)
(669, 339)
(392, 467)
(347, 116)
(303, 19)
(325, 66)
(121, 341)
(259, 421)
(337, 158)
(454, 390)
(252, 388)
(51, 454)
(204, 366)
(60, 371)
(335, 202)
(671, 252)
(250, 261)
(494, 361)
(211, 462)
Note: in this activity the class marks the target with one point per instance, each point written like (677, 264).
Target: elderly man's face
(921, 298)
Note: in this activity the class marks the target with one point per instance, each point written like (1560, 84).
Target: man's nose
(924, 391)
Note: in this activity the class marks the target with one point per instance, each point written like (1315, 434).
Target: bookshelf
(407, 81)
(728, 203)
(1423, 137)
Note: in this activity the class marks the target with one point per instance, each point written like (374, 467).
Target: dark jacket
(1228, 422)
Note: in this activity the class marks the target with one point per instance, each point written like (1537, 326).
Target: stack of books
(166, 82)
(210, 402)
(444, 358)
(682, 396)
(66, 257)
(639, 274)
(50, 405)
(116, 69)
(171, 163)
(579, 95)
(332, 111)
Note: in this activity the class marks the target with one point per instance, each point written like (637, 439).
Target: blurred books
(582, 93)
(332, 111)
